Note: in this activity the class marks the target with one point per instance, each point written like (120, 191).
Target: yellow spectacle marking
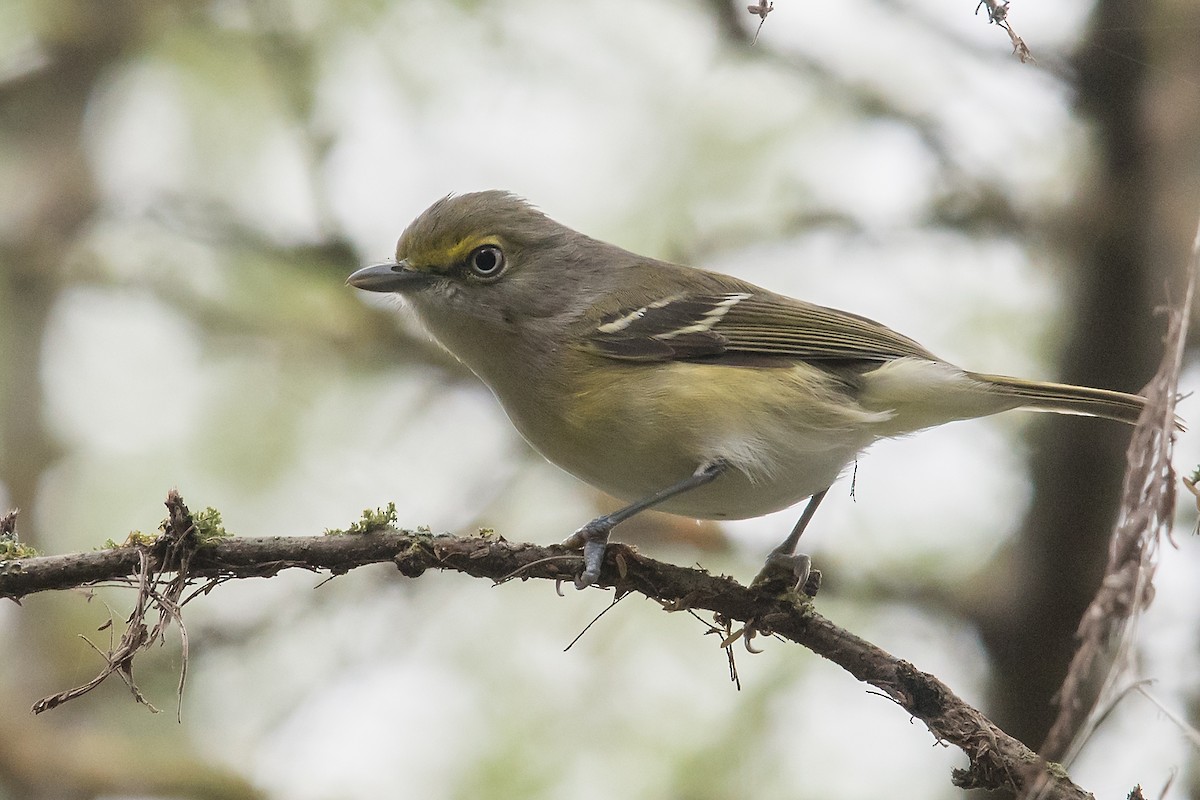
(448, 256)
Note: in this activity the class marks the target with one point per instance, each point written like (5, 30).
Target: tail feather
(1066, 399)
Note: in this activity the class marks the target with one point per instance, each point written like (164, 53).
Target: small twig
(1188, 730)
(616, 599)
(760, 9)
(175, 549)
(723, 630)
(1107, 630)
(118, 658)
(525, 568)
(997, 11)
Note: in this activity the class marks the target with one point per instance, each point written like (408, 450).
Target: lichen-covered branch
(996, 759)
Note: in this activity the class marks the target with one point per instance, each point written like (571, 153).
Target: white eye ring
(486, 262)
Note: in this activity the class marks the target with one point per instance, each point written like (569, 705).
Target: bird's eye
(486, 262)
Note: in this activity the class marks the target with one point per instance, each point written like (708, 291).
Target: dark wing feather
(746, 323)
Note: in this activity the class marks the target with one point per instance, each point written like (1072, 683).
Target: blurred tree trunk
(1127, 243)
(42, 125)
(41, 121)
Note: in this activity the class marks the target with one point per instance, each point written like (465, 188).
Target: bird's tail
(1063, 398)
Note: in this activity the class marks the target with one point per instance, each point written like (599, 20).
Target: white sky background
(632, 122)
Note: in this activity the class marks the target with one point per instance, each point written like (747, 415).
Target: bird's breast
(634, 429)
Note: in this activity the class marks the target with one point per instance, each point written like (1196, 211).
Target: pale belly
(634, 439)
(736, 494)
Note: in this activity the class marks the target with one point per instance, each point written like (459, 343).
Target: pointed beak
(389, 276)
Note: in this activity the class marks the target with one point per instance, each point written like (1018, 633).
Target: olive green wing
(739, 324)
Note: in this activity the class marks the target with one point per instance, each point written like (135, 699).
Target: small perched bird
(677, 388)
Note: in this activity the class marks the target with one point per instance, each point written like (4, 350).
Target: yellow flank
(654, 425)
(690, 397)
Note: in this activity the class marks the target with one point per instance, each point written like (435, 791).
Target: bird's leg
(784, 560)
(593, 537)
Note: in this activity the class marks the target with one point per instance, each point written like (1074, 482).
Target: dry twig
(169, 555)
(997, 11)
(760, 9)
(1106, 634)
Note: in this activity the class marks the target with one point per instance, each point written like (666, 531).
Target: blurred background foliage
(187, 186)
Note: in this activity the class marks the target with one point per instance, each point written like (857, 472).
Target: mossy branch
(996, 759)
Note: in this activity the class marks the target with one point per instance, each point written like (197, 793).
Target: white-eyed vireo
(689, 391)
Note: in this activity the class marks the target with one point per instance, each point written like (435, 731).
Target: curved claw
(786, 570)
(593, 538)
(593, 559)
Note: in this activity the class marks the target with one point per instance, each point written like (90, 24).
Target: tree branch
(1104, 663)
(996, 758)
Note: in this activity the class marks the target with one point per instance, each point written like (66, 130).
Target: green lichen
(372, 520)
(11, 549)
(209, 529)
(134, 539)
